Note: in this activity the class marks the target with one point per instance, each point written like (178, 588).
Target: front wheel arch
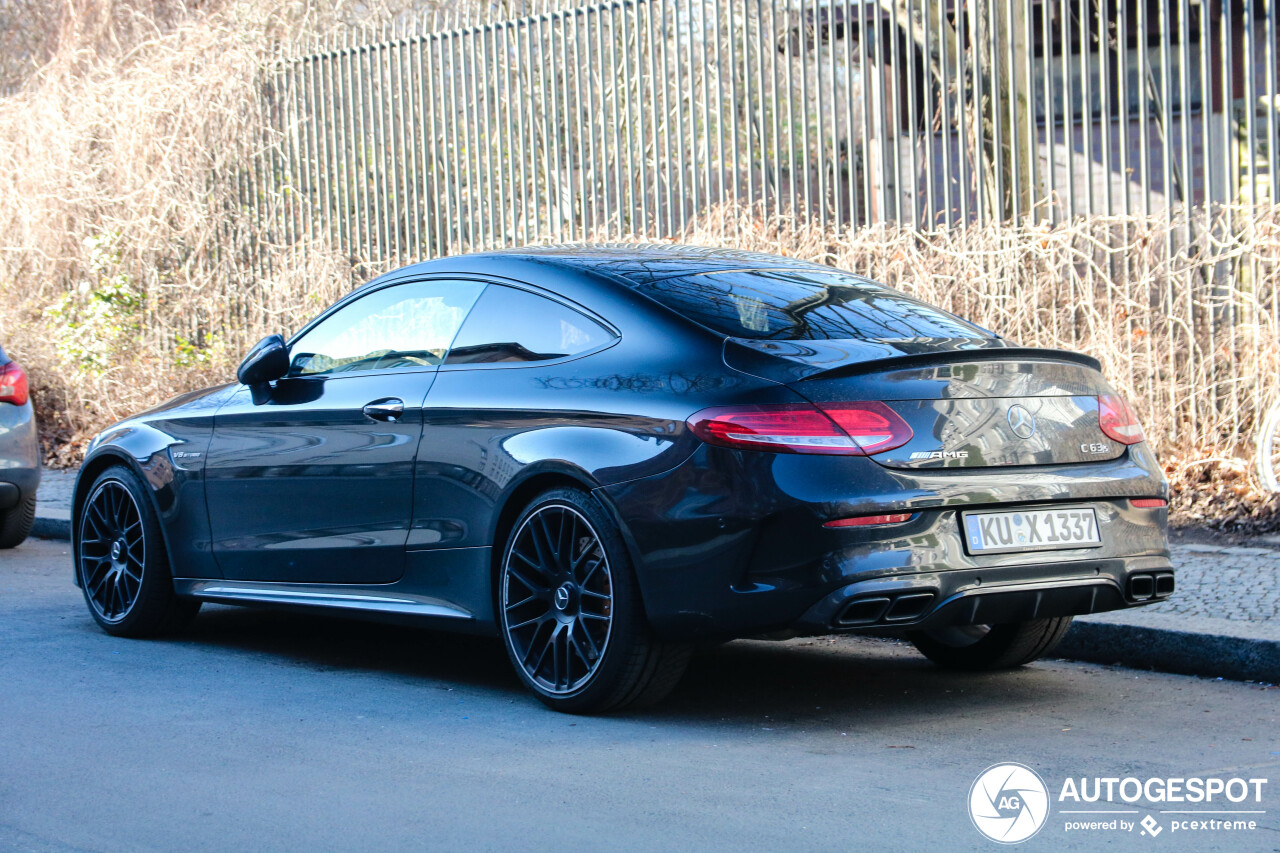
(89, 471)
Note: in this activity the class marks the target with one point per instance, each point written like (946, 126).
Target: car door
(309, 479)
(490, 400)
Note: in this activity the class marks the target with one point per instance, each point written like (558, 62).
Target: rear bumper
(990, 596)
(731, 545)
(19, 455)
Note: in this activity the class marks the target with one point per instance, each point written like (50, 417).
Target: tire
(16, 523)
(985, 647)
(121, 560)
(570, 614)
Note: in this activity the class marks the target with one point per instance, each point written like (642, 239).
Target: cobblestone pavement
(55, 493)
(1218, 581)
(1225, 582)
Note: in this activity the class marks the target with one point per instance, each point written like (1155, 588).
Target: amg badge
(940, 454)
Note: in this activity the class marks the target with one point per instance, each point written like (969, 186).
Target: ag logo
(1008, 803)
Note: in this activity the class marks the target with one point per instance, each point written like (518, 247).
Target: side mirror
(268, 360)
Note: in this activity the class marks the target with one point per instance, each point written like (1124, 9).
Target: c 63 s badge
(940, 454)
(1095, 448)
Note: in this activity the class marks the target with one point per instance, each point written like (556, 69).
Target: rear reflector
(844, 429)
(868, 520)
(1149, 503)
(1117, 420)
(13, 384)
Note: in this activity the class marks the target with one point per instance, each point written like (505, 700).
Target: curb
(1207, 655)
(47, 527)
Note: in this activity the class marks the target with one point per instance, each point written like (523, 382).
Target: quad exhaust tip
(885, 609)
(1151, 586)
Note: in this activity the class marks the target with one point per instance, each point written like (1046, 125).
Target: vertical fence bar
(663, 84)
(343, 143)
(355, 129)
(719, 65)
(1050, 108)
(454, 131)
(533, 207)
(684, 185)
(408, 175)
(1126, 132)
(791, 114)
(655, 101)
(731, 38)
(820, 139)
(1106, 98)
(834, 162)
(1086, 98)
(975, 45)
(802, 32)
(944, 112)
(1069, 107)
(746, 109)
(603, 160)
(1165, 121)
(928, 113)
(1144, 110)
(581, 121)
(1273, 113)
(426, 85)
(893, 59)
(913, 126)
(775, 123)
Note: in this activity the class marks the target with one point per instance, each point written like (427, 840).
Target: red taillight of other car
(841, 429)
(1117, 419)
(13, 384)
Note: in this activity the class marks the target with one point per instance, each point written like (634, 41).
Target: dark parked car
(19, 455)
(605, 455)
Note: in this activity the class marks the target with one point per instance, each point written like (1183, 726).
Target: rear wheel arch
(516, 501)
(530, 488)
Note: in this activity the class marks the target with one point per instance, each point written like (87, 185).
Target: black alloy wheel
(557, 598)
(121, 561)
(570, 612)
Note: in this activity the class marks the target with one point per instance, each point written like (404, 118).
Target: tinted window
(796, 305)
(515, 325)
(402, 327)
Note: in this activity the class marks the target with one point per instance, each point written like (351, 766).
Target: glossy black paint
(291, 492)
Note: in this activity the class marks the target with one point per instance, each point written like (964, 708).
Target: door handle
(388, 409)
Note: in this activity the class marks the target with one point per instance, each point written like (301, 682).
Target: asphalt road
(261, 730)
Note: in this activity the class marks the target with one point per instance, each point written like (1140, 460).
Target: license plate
(1031, 530)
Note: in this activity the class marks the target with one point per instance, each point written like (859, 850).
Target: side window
(402, 327)
(510, 325)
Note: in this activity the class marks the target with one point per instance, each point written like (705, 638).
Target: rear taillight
(1149, 503)
(1117, 420)
(848, 429)
(13, 384)
(874, 427)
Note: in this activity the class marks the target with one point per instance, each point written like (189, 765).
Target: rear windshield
(799, 305)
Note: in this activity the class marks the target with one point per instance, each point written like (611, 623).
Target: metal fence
(631, 117)
(1142, 135)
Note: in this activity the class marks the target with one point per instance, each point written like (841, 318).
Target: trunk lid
(967, 408)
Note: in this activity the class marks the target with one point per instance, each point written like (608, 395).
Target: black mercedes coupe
(607, 455)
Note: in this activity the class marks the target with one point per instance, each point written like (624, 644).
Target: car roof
(634, 263)
(643, 263)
